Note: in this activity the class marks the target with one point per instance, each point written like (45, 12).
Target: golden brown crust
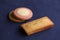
(13, 19)
(37, 25)
(40, 29)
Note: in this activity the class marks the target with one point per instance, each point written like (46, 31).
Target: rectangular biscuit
(37, 25)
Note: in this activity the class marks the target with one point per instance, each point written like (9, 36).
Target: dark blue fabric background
(12, 31)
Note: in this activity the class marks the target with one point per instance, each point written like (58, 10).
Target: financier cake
(37, 25)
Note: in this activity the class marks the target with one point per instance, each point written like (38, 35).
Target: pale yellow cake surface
(23, 12)
(37, 25)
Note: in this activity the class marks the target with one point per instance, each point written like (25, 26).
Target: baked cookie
(37, 25)
(20, 14)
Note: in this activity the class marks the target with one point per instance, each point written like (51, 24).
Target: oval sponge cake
(20, 14)
(23, 13)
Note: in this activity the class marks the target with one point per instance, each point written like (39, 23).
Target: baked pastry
(37, 25)
(20, 14)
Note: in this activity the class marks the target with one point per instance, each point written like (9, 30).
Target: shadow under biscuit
(21, 32)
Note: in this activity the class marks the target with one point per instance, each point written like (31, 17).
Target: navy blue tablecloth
(13, 31)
